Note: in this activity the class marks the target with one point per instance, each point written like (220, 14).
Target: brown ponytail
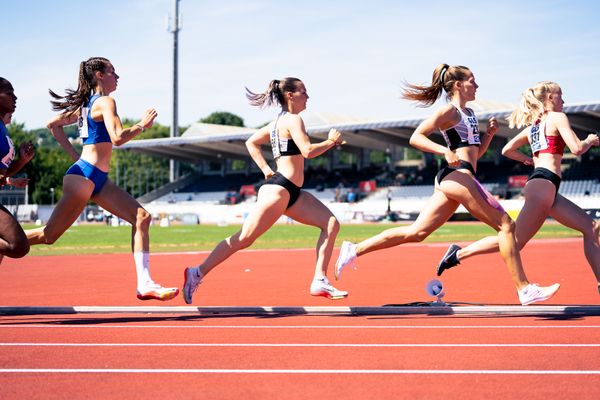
(74, 99)
(443, 79)
(274, 95)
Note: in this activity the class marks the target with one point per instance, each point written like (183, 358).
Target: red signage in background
(517, 181)
(247, 190)
(367, 186)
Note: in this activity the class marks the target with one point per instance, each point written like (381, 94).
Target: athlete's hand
(26, 151)
(528, 162)
(269, 174)
(148, 118)
(593, 139)
(451, 158)
(335, 136)
(492, 126)
(17, 182)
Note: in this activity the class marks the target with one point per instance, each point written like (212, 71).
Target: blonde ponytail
(531, 105)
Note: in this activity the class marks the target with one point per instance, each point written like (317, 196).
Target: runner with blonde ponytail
(547, 132)
(455, 184)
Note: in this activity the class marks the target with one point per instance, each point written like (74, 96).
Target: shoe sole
(440, 269)
(185, 280)
(158, 296)
(548, 297)
(330, 296)
(336, 272)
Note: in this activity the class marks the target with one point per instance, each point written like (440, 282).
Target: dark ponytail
(274, 95)
(74, 99)
(443, 79)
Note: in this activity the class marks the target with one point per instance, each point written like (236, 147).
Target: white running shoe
(533, 293)
(191, 280)
(322, 287)
(347, 257)
(153, 291)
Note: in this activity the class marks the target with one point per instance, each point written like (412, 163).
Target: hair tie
(444, 69)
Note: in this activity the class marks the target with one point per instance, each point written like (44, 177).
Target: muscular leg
(13, 242)
(270, 205)
(436, 212)
(570, 215)
(462, 187)
(120, 203)
(538, 201)
(310, 211)
(76, 193)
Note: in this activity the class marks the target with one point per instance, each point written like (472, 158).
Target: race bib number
(275, 144)
(537, 139)
(82, 123)
(473, 130)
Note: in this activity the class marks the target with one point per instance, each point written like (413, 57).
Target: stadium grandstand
(372, 177)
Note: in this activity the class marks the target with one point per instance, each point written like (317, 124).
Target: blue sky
(352, 55)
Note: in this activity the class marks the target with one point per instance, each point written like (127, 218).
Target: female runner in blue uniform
(87, 179)
(548, 132)
(455, 184)
(281, 194)
(13, 242)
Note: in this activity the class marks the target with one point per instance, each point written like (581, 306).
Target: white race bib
(537, 138)
(472, 130)
(82, 123)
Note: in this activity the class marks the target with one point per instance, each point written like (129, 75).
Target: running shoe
(153, 291)
(191, 280)
(533, 293)
(347, 257)
(322, 287)
(449, 260)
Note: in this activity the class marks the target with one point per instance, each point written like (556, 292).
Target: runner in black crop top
(282, 146)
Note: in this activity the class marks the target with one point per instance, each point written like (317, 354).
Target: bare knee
(332, 227)
(143, 219)
(414, 235)
(18, 249)
(592, 230)
(507, 225)
(242, 241)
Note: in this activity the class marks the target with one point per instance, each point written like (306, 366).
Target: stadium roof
(216, 142)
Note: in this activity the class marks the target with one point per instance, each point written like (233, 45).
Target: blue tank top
(463, 134)
(7, 149)
(282, 146)
(90, 131)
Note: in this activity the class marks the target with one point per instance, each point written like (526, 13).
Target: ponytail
(443, 79)
(74, 99)
(531, 105)
(274, 95)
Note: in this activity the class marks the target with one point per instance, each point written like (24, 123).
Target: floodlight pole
(174, 29)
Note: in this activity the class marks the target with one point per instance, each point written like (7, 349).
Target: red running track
(298, 357)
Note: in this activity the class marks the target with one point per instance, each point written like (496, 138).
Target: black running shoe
(449, 260)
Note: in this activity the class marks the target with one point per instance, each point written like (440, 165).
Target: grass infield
(99, 238)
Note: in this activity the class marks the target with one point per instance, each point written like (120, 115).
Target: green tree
(223, 118)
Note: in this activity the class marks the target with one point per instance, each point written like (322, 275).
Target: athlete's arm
(295, 125)
(511, 149)
(107, 107)
(56, 124)
(253, 145)
(26, 153)
(442, 119)
(577, 147)
(492, 128)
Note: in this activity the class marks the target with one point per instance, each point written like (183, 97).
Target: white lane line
(89, 325)
(300, 371)
(367, 345)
